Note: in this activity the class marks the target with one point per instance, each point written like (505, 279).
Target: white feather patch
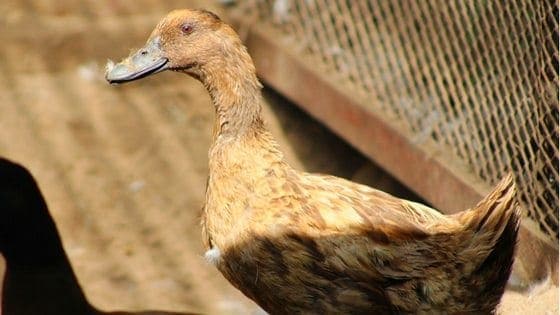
(110, 65)
(213, 255)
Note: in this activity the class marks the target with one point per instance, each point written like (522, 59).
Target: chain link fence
(478, 77)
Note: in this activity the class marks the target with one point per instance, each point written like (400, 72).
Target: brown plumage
(297, 242)
(39, 279)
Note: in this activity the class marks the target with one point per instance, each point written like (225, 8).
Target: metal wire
(477, 77)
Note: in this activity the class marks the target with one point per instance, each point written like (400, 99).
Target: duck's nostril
(144, 52)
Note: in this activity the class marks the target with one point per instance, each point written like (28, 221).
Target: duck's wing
(342, 203)
(366, 228)
(323, 204)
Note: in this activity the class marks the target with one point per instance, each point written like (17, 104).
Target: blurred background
(447, 97)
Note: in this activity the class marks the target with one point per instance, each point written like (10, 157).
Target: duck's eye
(186, 28)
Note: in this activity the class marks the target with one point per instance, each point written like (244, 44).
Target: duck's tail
(492, 225)
(497, 214)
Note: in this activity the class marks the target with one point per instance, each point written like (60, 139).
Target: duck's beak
(148, 60)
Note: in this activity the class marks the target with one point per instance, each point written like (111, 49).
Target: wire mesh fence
(479, 77)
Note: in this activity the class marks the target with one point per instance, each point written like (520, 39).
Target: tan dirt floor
(123, 168)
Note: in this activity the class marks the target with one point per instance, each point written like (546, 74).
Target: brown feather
(306, 243)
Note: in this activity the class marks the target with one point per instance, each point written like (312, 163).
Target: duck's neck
(39, 278)
(242, 153)
(236, 94)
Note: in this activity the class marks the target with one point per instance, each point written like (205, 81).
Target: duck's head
(190, 41)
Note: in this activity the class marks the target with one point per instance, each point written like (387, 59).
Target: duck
(38, 277)
(297, 242)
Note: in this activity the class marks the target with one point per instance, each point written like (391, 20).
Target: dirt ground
(123, 168)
